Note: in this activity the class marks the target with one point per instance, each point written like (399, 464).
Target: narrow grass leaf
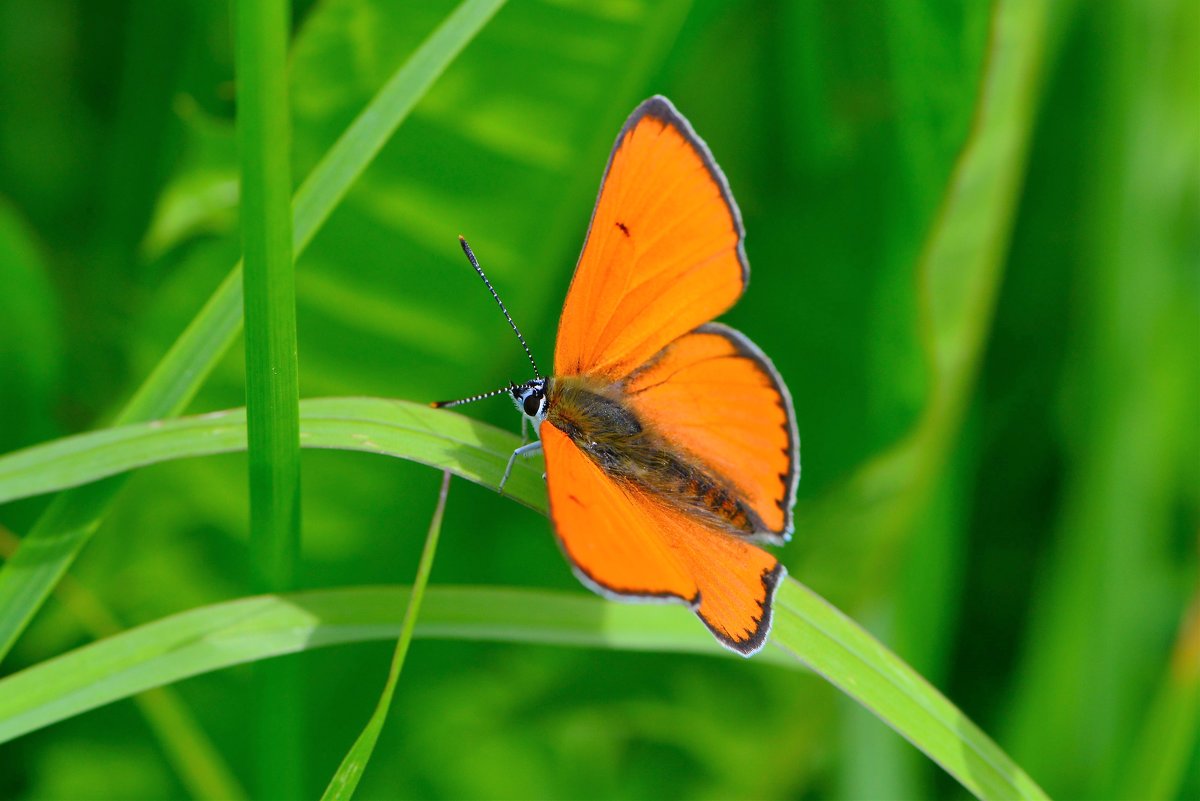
(272, 385)
(806, 627)
(345, 781)
(50, 547)
(824, 639)
(210, 638)
(445, 440)
(269, 285)
(807, 632)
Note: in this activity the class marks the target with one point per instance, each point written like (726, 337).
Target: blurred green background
(1041, 577)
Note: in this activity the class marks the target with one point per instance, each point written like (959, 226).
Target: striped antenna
(473, 398)
(475, 263)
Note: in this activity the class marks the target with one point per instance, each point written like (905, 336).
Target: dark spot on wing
(624, 228)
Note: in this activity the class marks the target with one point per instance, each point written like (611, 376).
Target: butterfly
(670, 441)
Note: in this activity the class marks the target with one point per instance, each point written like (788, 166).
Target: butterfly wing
(609, 539)
(663, 253)
(623, 542)
(715, 395)
(663, 257)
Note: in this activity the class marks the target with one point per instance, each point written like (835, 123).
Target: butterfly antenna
(473, 398)
(475, 263)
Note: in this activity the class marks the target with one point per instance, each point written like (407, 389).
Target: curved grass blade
(806, 628)
(447, 441)
(824, 639)
(50, 547)
(808, 632)
(345, 781)
(209, 638)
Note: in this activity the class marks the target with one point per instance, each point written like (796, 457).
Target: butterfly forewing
(663, 254)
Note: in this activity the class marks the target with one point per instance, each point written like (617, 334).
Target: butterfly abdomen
(693, 487)
(609, 432)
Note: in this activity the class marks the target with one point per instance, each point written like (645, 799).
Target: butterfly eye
(533, 402)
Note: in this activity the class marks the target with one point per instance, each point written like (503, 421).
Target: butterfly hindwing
(715, 395)
(624, 542)
(608, 538)
(737, 583)
(663, 253)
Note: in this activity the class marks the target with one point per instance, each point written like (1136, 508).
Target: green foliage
(809, 630)
(69, 523)
(973, 234)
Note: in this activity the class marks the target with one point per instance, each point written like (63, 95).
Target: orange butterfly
(670, 441)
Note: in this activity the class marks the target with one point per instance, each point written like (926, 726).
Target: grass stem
(272, 385)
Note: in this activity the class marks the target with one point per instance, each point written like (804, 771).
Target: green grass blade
(83, 458)
(50, 547)
(806, 626)
(269, 282)
(272, 383)
(209, 638)
(821, 637)
(471, 449)
(807, 632)
(345, 780)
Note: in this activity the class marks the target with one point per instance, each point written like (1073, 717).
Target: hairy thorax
(599, 421)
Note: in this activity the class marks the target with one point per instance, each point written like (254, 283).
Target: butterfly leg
(524, 450)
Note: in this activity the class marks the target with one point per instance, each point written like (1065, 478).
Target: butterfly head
(530, 398)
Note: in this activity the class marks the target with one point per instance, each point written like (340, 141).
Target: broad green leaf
(885, 516)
